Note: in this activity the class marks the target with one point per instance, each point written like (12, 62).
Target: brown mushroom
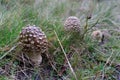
(34, 43)
(100, 35)
(72, 24)
(97, 35)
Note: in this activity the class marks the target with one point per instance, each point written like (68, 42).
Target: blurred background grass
(50, 15)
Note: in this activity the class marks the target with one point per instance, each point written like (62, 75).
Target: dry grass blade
(108, 60)
(66, 56)
(51, 62)
(8, 51)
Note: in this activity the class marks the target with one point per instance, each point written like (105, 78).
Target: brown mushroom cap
(72, 23)
(32, 38)
(97, 35)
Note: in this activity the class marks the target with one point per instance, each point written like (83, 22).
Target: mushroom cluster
(72, 24)
(34, 42)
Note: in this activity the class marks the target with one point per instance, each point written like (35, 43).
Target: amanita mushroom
(72, 24)
(34, 43)
(97, 35)
(100, 35)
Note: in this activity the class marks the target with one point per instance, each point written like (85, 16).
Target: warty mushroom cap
(72, 24)
(97, 35)
(32, 38)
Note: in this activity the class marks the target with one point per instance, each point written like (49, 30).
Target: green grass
(88, 60)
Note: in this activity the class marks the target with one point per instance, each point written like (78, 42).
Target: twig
(50, 61)
(106, 64)
(24, 73)
(66, 56)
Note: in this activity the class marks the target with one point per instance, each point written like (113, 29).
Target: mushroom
(100, 35)
(34, 43)
(72, 24)
(97, 35)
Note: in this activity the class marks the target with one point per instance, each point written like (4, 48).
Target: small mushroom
(72, 24)
(34, 43)
(100, 35)
(97, 35)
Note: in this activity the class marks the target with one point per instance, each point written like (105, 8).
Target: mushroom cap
(72, 23)
(97, 35)
(32, 38)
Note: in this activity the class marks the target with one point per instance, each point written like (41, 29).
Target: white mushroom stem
(35, 57)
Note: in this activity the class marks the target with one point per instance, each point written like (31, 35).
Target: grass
(89, 60)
